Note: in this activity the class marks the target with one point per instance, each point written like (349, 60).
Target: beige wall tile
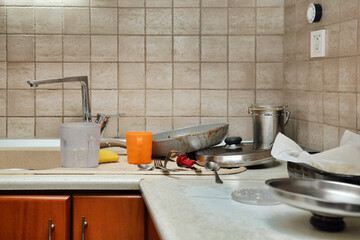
(76, 21)
(103, 3)
(3, 48)
(302, 76)
(214, 3)
(49, 103)
(131, 3)
(331, 74)
(347, 74)
(242, 3)
(242, 127)
(270, 20)
(187, 75)
(316, 107)
(187, 103)
(290, 47)
(104, 101)
(302, 136)
(290, 99)
(358, 110)
(211, 120)
(19, 73)
(48, 48)
(131, 76)
(242, 21)
(76, 48)
(159, 103)
(331, 7)
(300, 16)
(131, 48)
(186, 3)
(20, 48)
(2, 20)
(347, 110)
(20, 20)
(132, 102)
(290, 75)
(131, 21)
(213, 103)
(274, 97)
(130, 124)
(316, 135)
(214, 48)
(158, 21)
(104, 20)
(2, 103)
(186, 20)
(158, 48)
(158, 3)
(331, 137)
(348, 38)
(2, 127)
(269, 48)
(241, 75)
(73, 103)
(159, 76)
(331, 108)
(183, 122)
(269, 75)
(77, 3)
(19, 2)
(186, 48)
(21, 128)
(316, 70)
(76, 69)
(48, 127)
(348, 9)
(104, 75)
(241, 48)
(239, 101)
(302, 45)
(158, 124)
(290, 129)
(214, 76)
(45, 3)
(214, 21)
(20, 106)
(49, 20)
(332, 32)
(270, 3)
(3, 74)
(302, 105)
(47, 71)
(104, 48)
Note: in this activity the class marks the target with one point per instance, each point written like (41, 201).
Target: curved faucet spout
(86, 110)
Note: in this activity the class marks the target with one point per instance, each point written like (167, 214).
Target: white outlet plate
(317, 43)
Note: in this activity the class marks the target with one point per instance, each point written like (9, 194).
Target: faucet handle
(103, 119)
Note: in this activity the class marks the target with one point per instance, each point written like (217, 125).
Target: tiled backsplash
(322, 93)
(165, 63)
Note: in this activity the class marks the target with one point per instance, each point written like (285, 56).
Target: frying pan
(184, 140)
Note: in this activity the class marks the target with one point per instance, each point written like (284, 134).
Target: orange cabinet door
(109, 217)
(25, 217)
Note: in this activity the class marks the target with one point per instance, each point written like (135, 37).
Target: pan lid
(234, 154)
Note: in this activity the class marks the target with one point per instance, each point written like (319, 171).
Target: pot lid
(234, 154)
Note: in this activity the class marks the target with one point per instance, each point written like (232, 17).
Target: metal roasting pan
(184, 140)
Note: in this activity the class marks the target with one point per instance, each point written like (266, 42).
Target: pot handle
(287, 117)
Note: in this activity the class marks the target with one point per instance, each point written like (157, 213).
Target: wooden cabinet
(27, 217)
(109, 217)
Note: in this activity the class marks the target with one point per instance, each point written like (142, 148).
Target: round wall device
(314, 13)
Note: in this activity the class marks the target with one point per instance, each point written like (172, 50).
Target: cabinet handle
(51, 228)
(83, 226)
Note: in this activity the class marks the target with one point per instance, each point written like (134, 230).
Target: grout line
(172, 64)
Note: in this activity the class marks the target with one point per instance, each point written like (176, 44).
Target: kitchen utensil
(214, 167)
(268, 121)
(329, 201)
(158, 164)
(146, 167)
(303, 170)
(184, 140)
(234, 154)
(139, 146)
(79, 144)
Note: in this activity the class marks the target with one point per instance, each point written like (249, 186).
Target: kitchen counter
(195, 207)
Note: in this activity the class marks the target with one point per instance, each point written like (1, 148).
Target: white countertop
(195, 207)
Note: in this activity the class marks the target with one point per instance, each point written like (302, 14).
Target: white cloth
(344, 159)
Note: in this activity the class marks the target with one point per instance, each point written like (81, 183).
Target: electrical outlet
(317, 43)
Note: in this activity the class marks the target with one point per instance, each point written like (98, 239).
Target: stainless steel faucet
(86, 110)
